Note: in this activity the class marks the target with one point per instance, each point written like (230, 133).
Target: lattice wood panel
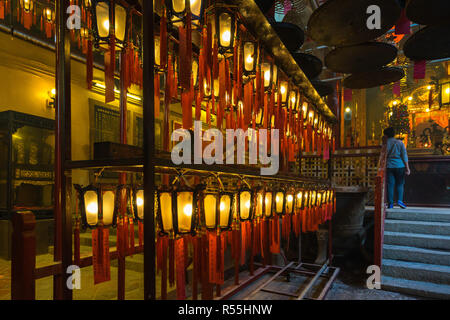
(314, 167)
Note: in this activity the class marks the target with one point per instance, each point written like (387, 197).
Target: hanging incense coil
(310, 65)
(429, 43)
(361, 57)
(344, 22)
(290, 34)
(428, 12)
(374, 78)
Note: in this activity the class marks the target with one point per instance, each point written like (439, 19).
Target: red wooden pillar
(23, 256)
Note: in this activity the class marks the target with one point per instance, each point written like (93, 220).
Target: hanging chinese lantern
(177, 9)
(268, 204)
(245, 204)
(217, 210)
(165, 212)
(184, 207)
(98, 210)
(26, 13)
(289, 203)
(250, 57)
(225, 29)
(279, 202)
(138, 205)
(284, 91)
(48, 18)
(110, 25)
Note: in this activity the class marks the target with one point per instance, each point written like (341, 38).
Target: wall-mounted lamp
(51, 98)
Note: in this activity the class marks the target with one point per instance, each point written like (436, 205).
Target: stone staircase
(416, 252)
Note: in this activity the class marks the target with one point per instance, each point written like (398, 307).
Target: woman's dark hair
(389, 132)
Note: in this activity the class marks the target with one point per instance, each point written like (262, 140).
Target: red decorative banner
(100, 255)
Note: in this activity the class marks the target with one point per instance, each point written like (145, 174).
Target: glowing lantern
(48, 15)
(284, 91)
(218, 210)
(177, 8)
(293, 100)
(445, 94)
(245, 204)
(289, 203)
(299, 200)
(224, 25)
(259, 203)
(26, 5)
(266, 69)
(195, 72)
(250, 57)
(268, 204)
(98, 205)
(165, 211)
(103, 12)
(279, 202)
(138, 203)
(184, 208)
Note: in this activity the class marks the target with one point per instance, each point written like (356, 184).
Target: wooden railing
(380, 208)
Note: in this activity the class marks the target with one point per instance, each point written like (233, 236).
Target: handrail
(380, 208)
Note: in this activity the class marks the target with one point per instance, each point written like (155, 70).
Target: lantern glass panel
(274, 73)
(244, 204)
(313, 198)
(91, 207)
(209, 205)
(196, 7)
(293, 99)
(140, 204)
(289, 203)
(445, 93)
(165, 201)
(178, 6)
(299, 200)
(259, 205)
(225, 29)
(284, 91)
(224, 210)
(195, 72)
(120, 22)
(306, 202)
(265, 68)
(319, 199)
(102, 13)
(185, 210)
(157, 51)
(268, 204)
(108, 202)
(249, 56)
(279, 202)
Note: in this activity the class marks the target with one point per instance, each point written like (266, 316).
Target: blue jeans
(395, 180)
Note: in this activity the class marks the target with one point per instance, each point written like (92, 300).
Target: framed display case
(26, 171)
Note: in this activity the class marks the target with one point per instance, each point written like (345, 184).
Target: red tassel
(157, 99)
(109, 76)
(2, 9)
(131, 233)
(76, 243)
(141, 233)
(171, 262)
(186, 105)
(180, 265)
(163, 40)
(89, 65)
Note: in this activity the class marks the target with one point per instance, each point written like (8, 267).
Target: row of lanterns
(183, 210)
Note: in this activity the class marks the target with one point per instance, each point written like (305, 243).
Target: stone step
(423, 227)
(416, 214)
(418, 240)
(416, 288)
(416, 271)
(413, 254)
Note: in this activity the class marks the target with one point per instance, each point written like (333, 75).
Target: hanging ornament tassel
(196, 267)
(2, 9)
(131, 234)
(110, 61)
(180, 266)
(89, 65)
(100, 254)
(171, 262)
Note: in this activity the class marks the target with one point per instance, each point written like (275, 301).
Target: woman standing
(396, 168)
